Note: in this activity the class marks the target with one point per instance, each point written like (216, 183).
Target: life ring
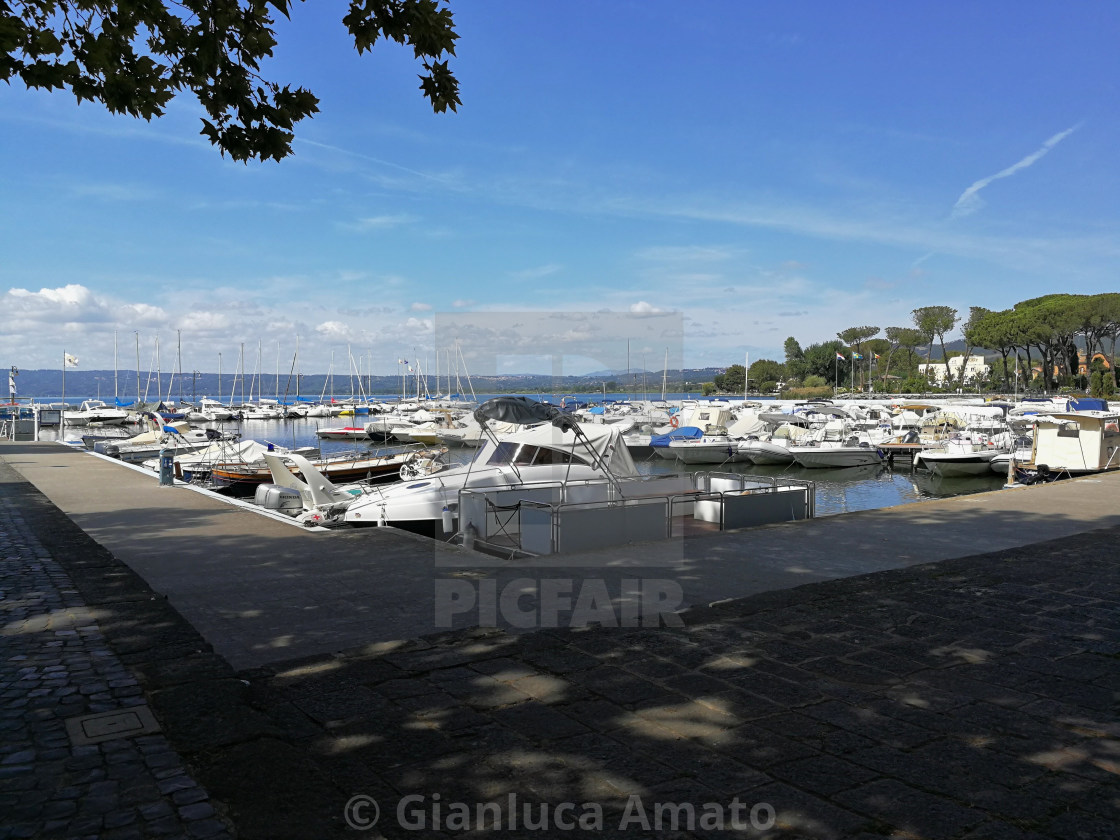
(674, 421)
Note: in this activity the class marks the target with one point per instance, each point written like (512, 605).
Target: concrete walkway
(263, 590)
(968, 699)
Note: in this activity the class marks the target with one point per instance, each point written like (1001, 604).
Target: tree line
(1038, 343)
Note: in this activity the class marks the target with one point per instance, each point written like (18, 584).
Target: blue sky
(702, 178)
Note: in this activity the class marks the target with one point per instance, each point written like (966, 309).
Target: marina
(889, 473)
(229, 569)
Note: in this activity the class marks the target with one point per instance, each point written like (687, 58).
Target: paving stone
(63, 790)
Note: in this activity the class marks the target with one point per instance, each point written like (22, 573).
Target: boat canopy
(523, 411)
(591, 444)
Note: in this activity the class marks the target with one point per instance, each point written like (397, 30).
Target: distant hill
(42, 384)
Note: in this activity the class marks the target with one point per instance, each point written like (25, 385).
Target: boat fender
(447, 521)
(674, 421)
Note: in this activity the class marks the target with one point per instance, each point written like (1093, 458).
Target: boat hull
(238, 479)
(835, 457)
(766, 454)
(706, 453)
(955, 466)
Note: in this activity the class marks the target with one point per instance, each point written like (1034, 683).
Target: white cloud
(334, 331)
(421, 307)
(970, 201)
(644, 308)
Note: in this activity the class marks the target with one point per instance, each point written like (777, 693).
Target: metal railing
(671, 507)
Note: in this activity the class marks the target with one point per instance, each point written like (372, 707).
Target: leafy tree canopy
(732, 379)
(855, 336)
(134, 56)
(767, 370)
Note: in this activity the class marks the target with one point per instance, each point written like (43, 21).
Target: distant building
(975, 368)
(1083, 364)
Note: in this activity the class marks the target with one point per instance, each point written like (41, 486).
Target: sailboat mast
(179, 364)
(664, 374)
(116, 393)
(137, 368)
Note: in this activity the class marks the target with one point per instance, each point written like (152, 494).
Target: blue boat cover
(683, 433)
(1088, 404)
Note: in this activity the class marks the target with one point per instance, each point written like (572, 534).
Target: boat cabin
(1077, 441)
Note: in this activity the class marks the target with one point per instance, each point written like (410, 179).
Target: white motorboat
(836, 456)
(963, 455)
(659, 444)
(176, 438)
(96, 413)
(386, 426)
(773, 452)
(209, 411)
(261, 411)
(713, 447)
(557, 454)
(343, 433)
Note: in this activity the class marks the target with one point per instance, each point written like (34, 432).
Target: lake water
(838, 491)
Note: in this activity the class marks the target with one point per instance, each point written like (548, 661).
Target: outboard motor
(280, 499)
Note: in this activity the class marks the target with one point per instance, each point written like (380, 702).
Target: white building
(974, 369)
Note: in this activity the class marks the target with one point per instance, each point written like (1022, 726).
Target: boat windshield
(525, 454)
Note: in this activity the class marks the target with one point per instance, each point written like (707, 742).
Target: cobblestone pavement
(974, 698)
(971, 699)
(55, 664)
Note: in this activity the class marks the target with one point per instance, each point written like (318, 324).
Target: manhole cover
(105, 726)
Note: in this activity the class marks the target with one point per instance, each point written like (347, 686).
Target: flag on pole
(12, 374)
(71, 361)
(876, 355)
(857, 355)
(840, 356)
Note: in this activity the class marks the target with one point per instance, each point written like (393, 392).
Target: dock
(906, 450)
(941, 669)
